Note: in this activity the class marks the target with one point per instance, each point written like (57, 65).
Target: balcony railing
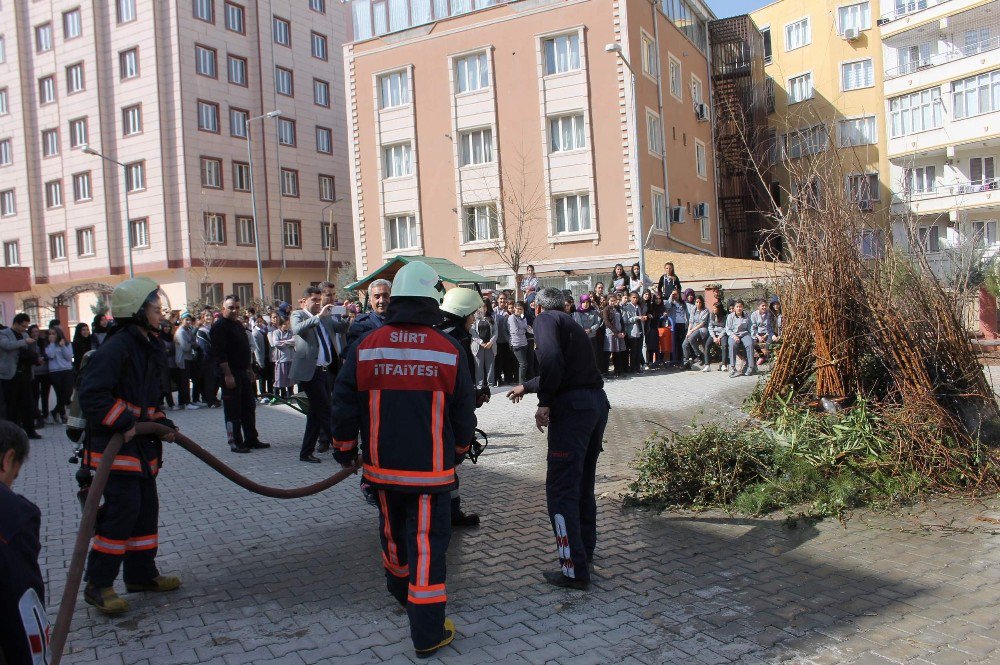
(908, 7)
(953, 189)
(941, 58)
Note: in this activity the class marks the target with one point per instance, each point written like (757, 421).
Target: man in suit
(313, 366)
(15, 373)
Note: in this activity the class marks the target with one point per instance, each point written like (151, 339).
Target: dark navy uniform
(120, 388)
(407, 390)
(571, 386)
(365, 323)
(24, 628)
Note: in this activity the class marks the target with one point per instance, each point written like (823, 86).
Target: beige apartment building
(171, 91)
(480, 126)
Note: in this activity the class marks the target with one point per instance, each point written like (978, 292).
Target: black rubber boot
(458, 518)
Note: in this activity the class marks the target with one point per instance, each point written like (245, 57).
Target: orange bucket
(666, 340)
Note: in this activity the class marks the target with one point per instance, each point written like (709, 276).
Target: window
(324, 140)
(319, 46)
(394, 89)
(235, 18)
(857, 131)
(74, 78)
(208, 117)
(132, 120)
(282, 291)
(700, 159)
(696, 90)
(321, 93)
(237, 68)
(929, 238)
(128, 63)
(8, 203)
(283, 81)
(281, 31)
(292, 233)
(808, 141)
(211, 293)
(244, 230)
(976, 95)
(919, 180)
(472, 72)
(215, 229)
(659, 210)
(77, 132)
(57, 246)
(204, 10)
(654, 133)
(650, 57)
(289, 182)
(797, 34)
(859, 74)
(243, 291)
(800, 88)
(675, 78)
(6, 153)
(43, 37)
(211, 173)
(72, 24)
(862, 187)
(982, 171)
(327, 187)
(397, 160)
(238, 119)
(135, 176)
(139, 232)
(916, 112)
(53, 194)
(286, 131)
(481, 223)
(47, 89)
(4, 107)
(85, 241)
(871, 243)
(400, 232)
(984, 233)
(11, 254)
(562, 53)
(318, 6)
(50, 142)
(706, 229)
(476, 147)
(857, 16)
(241, 176)
(328, 236)
(567, 133)
(572, 213)
(126, 11)
(3, 49)
(204, 61)
(806, 193)
(766, 33)
(81, 187)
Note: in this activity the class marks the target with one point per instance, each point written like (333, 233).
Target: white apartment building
(171, 90)
(942, 90)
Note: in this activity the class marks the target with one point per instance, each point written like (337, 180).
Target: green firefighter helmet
(417, 279)
(130, 297)
(461, 301)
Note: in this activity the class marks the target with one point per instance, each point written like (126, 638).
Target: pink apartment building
(170, 90)
(472, 122)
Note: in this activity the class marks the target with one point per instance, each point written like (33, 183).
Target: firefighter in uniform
(405, 388)
(121, 387)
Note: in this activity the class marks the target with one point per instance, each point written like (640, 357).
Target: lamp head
(87, 149)
(614, 47)
(272, 114)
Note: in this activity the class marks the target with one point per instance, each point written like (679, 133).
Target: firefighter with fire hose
(121, 387)
(405, 388)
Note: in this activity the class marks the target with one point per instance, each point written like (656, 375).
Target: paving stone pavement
(299, 581)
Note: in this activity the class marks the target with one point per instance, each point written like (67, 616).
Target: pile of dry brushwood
(886, 329)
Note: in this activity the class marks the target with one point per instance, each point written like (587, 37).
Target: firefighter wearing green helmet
(120, 388)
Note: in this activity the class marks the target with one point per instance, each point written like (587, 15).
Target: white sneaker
(200, 405)
(706, 368)
(264, 400)
(723, 368)
(192, 407)
(175, 407)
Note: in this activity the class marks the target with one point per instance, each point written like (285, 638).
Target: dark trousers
(265, 379)
(691, 342)
(209, 384)
(576, 427)
(41, 385)
(415, 530)
(62, 384)
(680, 332)
(319, 420)
(521, 353)
(126, 531)
(182, 377)
(194, 371)
(652, 334)
(634, 353)
(505, 363)
(239, 409)
(17, 394)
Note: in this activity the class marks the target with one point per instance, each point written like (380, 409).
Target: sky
(724, 8)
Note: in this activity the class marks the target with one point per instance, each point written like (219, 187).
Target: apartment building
(170, 94)
(826, 62)
(487, 127)
(942, 98)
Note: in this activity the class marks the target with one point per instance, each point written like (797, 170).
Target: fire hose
(73, 578)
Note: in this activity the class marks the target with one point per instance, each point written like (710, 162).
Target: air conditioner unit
(677, 215)
(701, 111)
(850, 34)
(701, 210)
(883, 20)
(866, 205)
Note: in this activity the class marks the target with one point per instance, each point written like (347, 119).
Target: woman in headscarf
(81, 344)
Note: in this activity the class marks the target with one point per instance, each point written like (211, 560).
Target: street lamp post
(637, 222)
(329, 240)
(128, 221)
(253, 200)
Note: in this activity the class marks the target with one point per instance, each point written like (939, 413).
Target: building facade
(168, 93)
(484, 130)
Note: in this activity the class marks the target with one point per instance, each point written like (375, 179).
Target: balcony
(940, 68)
(954, 53)
(941, 199)
(982, 128)
(909, 14)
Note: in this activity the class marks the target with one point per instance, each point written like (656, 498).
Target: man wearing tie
(313, 366)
